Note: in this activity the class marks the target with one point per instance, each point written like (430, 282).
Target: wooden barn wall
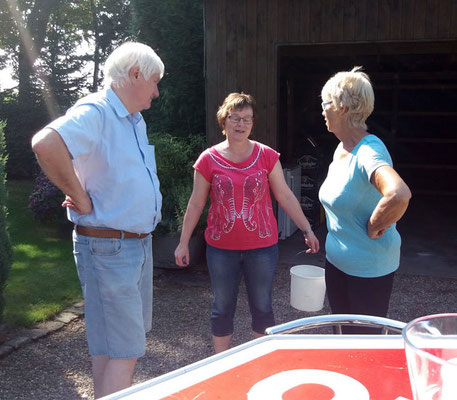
(241, 41)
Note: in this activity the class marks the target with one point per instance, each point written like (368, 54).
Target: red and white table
(290, 367)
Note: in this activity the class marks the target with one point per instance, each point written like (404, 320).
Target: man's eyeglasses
(324, 104)
(236, 120)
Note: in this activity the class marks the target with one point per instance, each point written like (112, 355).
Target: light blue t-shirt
(349, 199)
(114, 162)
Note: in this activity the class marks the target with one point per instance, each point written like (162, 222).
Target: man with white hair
(98, 154)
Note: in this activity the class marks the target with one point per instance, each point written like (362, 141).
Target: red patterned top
(241, 214)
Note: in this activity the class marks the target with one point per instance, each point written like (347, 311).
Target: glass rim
(417, 349)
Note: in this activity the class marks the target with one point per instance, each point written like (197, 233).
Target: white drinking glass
(431, 355)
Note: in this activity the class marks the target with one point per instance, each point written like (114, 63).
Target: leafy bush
(22, 122)
(45, 201)
(175, 157)
(5, 244)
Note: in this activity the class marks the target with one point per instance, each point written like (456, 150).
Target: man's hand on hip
(82, 206)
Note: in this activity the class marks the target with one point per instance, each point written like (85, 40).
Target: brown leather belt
(108, 233)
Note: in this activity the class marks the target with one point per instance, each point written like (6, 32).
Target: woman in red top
(242, 234)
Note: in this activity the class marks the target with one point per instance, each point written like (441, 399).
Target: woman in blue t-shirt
(363, 197)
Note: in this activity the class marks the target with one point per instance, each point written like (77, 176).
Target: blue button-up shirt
(114, 162)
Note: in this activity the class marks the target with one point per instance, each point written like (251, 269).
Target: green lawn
(43, 278)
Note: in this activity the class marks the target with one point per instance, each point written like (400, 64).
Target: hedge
(5, 244)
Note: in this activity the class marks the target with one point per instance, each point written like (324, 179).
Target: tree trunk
(97, 47)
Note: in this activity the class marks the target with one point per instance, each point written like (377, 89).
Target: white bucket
(307, 287)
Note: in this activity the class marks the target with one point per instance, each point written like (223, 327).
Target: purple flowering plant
(45, 200)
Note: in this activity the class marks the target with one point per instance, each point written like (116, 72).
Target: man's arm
(54, 159)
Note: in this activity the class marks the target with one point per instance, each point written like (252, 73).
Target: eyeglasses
(236, 120)
(324, 104)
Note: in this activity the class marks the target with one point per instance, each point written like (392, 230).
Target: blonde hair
(126, 56)
(351, 90)
(235, 101)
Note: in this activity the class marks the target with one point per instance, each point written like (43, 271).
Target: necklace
(230, 166)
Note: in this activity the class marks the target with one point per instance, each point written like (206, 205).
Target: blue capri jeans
(226, 267)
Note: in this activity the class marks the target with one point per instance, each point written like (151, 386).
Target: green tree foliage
(22, 38)
(174, 28)
(27, 21)
(5, 244)
(108, 25)
(44, 41)
(60, 67)
(22, 123)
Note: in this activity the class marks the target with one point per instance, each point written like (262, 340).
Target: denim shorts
(226, 267)
(116, 280)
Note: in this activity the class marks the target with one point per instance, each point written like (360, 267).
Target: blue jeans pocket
(105, 247)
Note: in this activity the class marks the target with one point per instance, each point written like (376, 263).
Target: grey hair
(353, 90)
(126, 56)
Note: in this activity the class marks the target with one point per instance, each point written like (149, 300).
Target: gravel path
(58, 366)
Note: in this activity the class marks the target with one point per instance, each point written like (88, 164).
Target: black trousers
(349, 294)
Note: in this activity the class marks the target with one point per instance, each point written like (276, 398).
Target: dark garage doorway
(415, 112)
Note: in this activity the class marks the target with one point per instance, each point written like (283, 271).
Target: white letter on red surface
(273, 387)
